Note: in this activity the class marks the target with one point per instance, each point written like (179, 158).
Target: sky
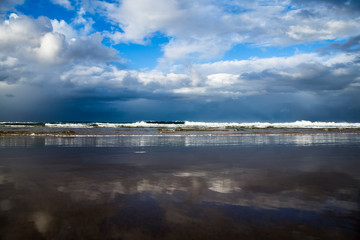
(195, 60)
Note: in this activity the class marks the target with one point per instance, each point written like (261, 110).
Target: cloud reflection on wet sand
(173, 193)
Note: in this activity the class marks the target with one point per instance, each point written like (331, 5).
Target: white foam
(68, 125)
(143, 124)
(297, 124)
(19, 124)
(223, 125)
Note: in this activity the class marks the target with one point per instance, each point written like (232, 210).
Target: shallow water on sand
(180, 187)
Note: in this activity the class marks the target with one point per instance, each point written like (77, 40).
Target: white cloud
(64, 3)
(66, 29)
(80, 26)
(320, 29)
(206, 29)
(51, 44)
(257, 64)
(201, 49)
(141, 18)
(85, 24)
(219, 80)
(19, 30)
(9, 61)
(225, 79)
(84, 76)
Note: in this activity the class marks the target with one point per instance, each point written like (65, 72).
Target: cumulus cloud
(18, 31)
(29, 44)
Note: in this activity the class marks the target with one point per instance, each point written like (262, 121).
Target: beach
(264, 184)
(179, 120)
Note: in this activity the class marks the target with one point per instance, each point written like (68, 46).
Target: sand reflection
(181, 140)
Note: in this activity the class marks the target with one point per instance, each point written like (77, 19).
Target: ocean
(179, 180)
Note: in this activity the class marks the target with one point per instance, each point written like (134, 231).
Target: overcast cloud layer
(54, 69)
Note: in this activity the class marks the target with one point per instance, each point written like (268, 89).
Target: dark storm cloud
(313, 77)
(306, 14)
(299, 87)
(321, 78)
(313, 91)
(350, 5)
(350, 45)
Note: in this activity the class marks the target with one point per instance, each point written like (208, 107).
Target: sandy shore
(139, 187)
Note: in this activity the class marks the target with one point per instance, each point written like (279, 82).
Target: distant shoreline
(187, 133)
(174, 128)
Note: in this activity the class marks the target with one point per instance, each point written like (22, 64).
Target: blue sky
(200, 60)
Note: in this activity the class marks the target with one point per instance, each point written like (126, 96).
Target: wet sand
(259, 187)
